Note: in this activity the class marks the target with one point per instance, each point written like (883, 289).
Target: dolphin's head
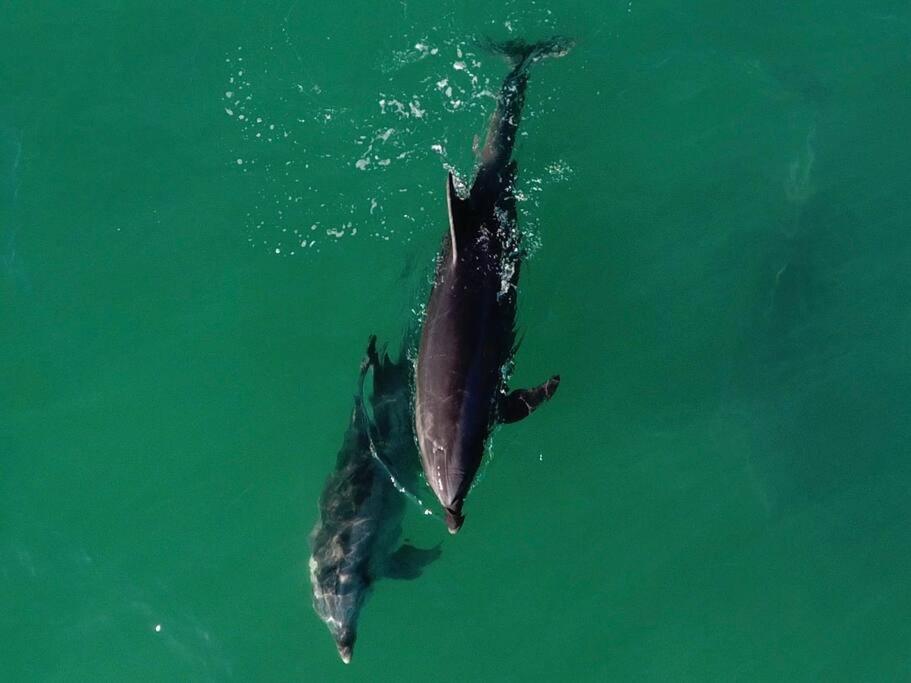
(338, 597)
(454, 517)
(344, 641)
(450, 470)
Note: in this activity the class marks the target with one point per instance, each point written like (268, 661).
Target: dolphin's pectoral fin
(521, 403)
(408, 562)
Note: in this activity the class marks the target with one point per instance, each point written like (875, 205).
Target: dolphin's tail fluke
(522, 54)
(501, 133)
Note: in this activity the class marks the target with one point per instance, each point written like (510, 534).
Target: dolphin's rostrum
(356, 539)
(468, 336)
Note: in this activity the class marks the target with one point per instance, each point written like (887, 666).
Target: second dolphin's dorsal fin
(458, 215)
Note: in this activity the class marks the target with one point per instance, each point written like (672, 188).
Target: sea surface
(205, 210)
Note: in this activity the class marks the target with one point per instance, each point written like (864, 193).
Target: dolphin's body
(356, 539)
(468, 336)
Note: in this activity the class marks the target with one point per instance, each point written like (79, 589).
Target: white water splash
(291, 142)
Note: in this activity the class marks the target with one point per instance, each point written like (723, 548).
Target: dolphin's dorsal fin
(458, 210)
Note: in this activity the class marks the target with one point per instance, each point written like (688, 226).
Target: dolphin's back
(457, 376)
(351, 512)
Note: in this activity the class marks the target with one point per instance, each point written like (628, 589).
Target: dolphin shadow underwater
(468, 338)
(355, 542)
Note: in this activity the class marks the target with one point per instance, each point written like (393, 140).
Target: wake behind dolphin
(468, 336)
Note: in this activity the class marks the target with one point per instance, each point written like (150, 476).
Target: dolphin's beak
(344, 651)
(454, 520)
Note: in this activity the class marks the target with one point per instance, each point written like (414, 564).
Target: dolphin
(355, 541)
(468, 337)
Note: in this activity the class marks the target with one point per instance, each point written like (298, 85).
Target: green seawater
(207, 207)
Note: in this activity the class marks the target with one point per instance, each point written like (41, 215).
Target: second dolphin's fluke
(469, 329)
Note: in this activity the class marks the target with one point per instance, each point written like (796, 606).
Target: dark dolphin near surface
(468, 338)
(355, 542)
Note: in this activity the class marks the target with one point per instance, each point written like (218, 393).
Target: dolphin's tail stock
(501, 134)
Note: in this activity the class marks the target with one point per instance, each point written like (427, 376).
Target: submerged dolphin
(356, 539)
(468, 336)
